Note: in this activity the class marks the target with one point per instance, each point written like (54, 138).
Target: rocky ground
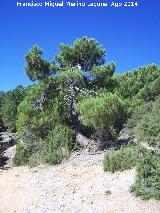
(77, 186)
(6, 139)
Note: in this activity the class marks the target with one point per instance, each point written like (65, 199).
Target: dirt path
(77, 186)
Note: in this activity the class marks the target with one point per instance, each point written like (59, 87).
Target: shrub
(34, 160)
(121, 159)
(58, 144)
(22, 155)
(52, 156)
(148, 128)
(147, 184)
(52, 149)
(103, 113)
(137, 110)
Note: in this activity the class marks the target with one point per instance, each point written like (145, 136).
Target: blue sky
(129, 35)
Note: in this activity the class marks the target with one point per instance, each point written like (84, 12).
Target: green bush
(104, 113)
(58, 144)
(34, 160)
(147, 129)
(136, 111)
(52, 156)
(22, 155)
(52, 150)
(121, 159)
(147, 184)
(101, 112)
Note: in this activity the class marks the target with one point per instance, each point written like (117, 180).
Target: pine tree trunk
(80, 138)
(103, 138)
(73, 111)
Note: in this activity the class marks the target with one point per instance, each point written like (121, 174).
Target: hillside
(79, 104)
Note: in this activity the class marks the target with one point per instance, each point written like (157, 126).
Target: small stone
(82, 201)
(108, 192)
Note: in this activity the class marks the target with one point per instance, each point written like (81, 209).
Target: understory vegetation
(77, 98)
(147, 184)
(147, 163)
(118, 160)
